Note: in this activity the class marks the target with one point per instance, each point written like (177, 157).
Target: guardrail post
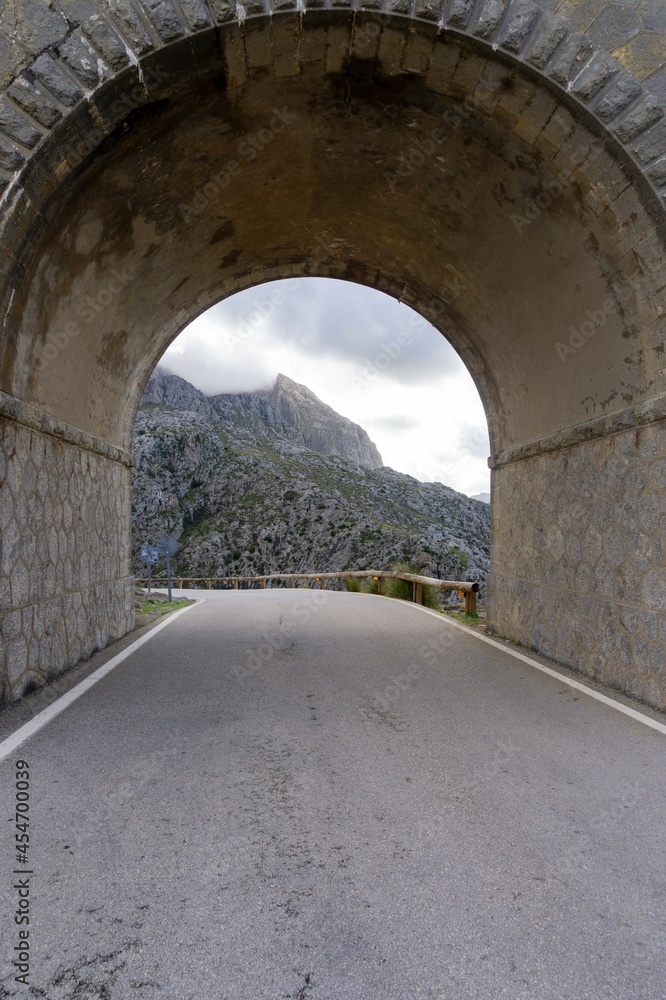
(418, 593)
(262, 582)
(470, 602)
(235, 584)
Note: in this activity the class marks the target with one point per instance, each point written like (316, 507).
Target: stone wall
(578, 549)
(65, 584)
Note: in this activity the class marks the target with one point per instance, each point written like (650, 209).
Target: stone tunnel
(499, 166)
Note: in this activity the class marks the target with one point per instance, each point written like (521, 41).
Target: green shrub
(361, 585)
(403, 589)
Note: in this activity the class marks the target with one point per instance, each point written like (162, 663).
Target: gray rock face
(289, 409)
(321, 428)
(244, 484)
(165, 389)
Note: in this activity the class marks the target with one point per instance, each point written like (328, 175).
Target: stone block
(442, 67)
(131, 27)
(417, 52)
(570, 59)
(16, 658)
(657, 662)
(535, 116)
(313, 45)
(17, 127)
(633, 686)
(286, 47)
(107, 41)
(623, 90)
(34, 103)
(654, 588)
(595, 76)
(222, 10)
(337, 46)
(52, 76)
(467, 73)
(11, 158)
(164, 16)
(234, 57)
(518, 25)
(494, 79)
(13, 60)
(549, 34)
(365, 37)
(629, 617)
(78, 10)
(460, 13)
(11, 625)
(638, 119)
(37, 27)
(258, 45)
(79, 56)
(488, 18)
(427, 10)
(657, 172)
(196, 14)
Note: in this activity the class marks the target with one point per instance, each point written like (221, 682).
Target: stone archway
(493, 171)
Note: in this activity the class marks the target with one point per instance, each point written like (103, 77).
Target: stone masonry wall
(65, 583)
(578, 549)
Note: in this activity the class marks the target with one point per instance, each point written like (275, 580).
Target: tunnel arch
(479, 162)
(627, 214)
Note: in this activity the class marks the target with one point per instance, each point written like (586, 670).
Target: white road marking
(625, 709)
(9, 745)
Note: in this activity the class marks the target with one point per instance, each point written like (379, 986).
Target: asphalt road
(329, 796)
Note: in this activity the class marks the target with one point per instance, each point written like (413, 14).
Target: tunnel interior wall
(578, 560)
(65, 560)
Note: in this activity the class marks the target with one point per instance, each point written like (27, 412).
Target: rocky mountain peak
(165, 389)
(288, 410)
(320, 427)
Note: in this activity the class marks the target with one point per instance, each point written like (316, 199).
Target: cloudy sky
(369, 357)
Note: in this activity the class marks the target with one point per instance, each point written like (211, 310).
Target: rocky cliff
(276, 481)
(288, 410)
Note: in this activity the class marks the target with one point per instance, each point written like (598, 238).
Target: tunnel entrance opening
(258, 474)
(504, 189)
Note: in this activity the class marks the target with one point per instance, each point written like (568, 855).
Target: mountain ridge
(289, 406)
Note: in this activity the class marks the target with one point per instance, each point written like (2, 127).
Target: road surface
(330, 796)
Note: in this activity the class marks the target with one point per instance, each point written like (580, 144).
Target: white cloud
(366, 355)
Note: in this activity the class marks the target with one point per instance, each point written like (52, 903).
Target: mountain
(276, 481)
(481, 497)
(288, 409)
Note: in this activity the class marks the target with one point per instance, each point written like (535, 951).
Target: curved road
(328, 796)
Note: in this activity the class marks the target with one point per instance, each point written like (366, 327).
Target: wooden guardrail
(464, 587)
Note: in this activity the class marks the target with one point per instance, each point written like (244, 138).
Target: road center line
(9, 745)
